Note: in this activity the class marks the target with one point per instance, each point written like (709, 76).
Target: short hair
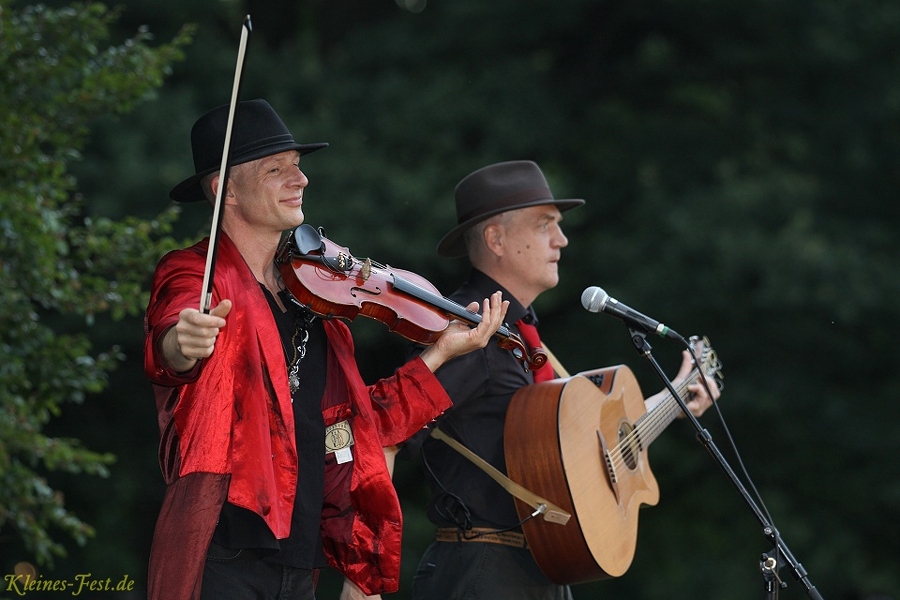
(205, 181)
(474, 236)
(207, 191)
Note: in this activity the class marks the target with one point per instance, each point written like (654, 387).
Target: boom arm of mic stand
(639, 339)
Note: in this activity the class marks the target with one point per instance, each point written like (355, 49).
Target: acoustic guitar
(581, 442)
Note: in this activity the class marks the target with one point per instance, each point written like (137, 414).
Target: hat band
(522, 198)
(264, 143)
(252, 149)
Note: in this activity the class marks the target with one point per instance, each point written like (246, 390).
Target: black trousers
(482, 571)
(246, 575)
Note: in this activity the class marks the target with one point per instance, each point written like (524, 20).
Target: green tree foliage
(59, 266)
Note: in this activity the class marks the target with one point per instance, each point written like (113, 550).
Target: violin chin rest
(307, 240)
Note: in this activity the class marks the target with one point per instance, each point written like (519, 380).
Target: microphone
(594, 299)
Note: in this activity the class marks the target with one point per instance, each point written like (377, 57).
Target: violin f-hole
(375, 292)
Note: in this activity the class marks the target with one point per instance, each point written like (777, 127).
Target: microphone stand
(780, 555)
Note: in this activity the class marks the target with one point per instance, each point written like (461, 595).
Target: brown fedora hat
(257, 132)
(492, 190)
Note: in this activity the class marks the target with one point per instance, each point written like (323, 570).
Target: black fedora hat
(257, 132)
(492, 190)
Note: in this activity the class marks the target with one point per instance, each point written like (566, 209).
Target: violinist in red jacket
(271, 443)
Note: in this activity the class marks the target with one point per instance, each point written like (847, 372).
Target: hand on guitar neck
(582, 443)
(697, 398)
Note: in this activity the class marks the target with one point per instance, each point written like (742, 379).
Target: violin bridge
(366, 271)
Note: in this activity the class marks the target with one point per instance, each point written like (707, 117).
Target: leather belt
(481, 534)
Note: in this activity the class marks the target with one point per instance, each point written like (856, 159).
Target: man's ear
(214, 187)
(493, 239)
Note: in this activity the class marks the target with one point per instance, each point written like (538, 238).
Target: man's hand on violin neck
(459, 338)
(193, 337)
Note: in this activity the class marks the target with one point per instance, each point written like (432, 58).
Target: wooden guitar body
(573, 441)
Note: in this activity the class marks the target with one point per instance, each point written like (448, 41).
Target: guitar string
(656, 422)
(663, 414)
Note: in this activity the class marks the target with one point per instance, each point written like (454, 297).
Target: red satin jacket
(227, 432)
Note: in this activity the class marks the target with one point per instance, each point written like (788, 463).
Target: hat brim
(189, 189)
(452, 245)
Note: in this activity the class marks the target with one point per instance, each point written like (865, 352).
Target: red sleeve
(400, 404)
(413, 386)
(177, 282)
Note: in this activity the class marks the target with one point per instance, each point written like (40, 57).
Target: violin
(330, 282)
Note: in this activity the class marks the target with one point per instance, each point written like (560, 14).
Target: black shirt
(242, 528)
(481, 385)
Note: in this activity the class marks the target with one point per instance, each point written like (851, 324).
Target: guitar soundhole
(629, 444)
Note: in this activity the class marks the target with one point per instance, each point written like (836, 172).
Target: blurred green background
(740, 162)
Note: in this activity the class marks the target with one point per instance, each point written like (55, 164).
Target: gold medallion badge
(338, 439)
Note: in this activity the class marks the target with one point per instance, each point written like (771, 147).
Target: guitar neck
(660, 416)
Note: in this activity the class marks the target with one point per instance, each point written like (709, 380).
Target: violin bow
(213, 250)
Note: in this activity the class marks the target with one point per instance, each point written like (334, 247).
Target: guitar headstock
(706, 359)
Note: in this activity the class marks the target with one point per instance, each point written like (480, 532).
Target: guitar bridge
(610, 468)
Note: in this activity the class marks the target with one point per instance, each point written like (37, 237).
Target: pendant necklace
(299, 352)
(302, 320)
